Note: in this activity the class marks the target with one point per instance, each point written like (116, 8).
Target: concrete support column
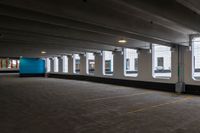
(17, 64)
(6, 63)
(98, 65)
(144, 65)
(70, 64)
(11, 61)
(180, 85)
(1, 63)
(65, 64)
(174, 67)
(56, 65)
(48, 64)
(60, 64)
(118, 64)
(51, 65)
(83, 60)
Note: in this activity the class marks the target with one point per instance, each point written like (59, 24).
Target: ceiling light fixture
(122, 41)
(43, 52)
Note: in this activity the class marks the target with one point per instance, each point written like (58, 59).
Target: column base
(180, 87)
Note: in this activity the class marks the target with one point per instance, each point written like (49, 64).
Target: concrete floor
(47, 105)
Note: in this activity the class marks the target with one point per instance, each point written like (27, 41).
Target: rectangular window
(76, 63)
(13, 63)
(127, 64)
(9, 64)
(90, 63)
(131, 62)
(107, 62)
(161, 61)
(196, 58)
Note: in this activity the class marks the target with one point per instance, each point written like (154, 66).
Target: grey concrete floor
(47, 105)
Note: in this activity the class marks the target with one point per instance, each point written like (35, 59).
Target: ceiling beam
(40, 32)
(137, 29)
(170, 10)
(191, 4)
(16, 48)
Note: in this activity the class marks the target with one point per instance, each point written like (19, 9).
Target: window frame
(193, 59)
(74, 64)
(87, 63)
(104, 63)
(154, 60)
(125, 63)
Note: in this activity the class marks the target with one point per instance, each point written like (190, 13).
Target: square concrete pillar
(98, 65)
(65, 64)
(56, 65)
(118, 64)
(51, 65)
(188, 75)
(70, 64)
(180, 85)
(145, 65)
(48, 65)
(174, 66)
(60, 64)
(83, 61)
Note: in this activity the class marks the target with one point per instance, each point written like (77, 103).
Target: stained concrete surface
(48, 105)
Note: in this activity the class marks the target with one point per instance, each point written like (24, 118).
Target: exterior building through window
(76, 63)
(161, 59)
(196, 58)
(131, 62)
(107, 62)
(90, 63)
(6, 64)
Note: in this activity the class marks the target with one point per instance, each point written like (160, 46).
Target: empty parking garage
(89, 66)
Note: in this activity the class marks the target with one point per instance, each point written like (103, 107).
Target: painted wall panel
(32, 66)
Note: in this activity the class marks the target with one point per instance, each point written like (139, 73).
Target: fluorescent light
(43, 52)
(122, 41)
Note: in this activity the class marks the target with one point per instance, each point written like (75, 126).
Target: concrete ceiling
(28, 27)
